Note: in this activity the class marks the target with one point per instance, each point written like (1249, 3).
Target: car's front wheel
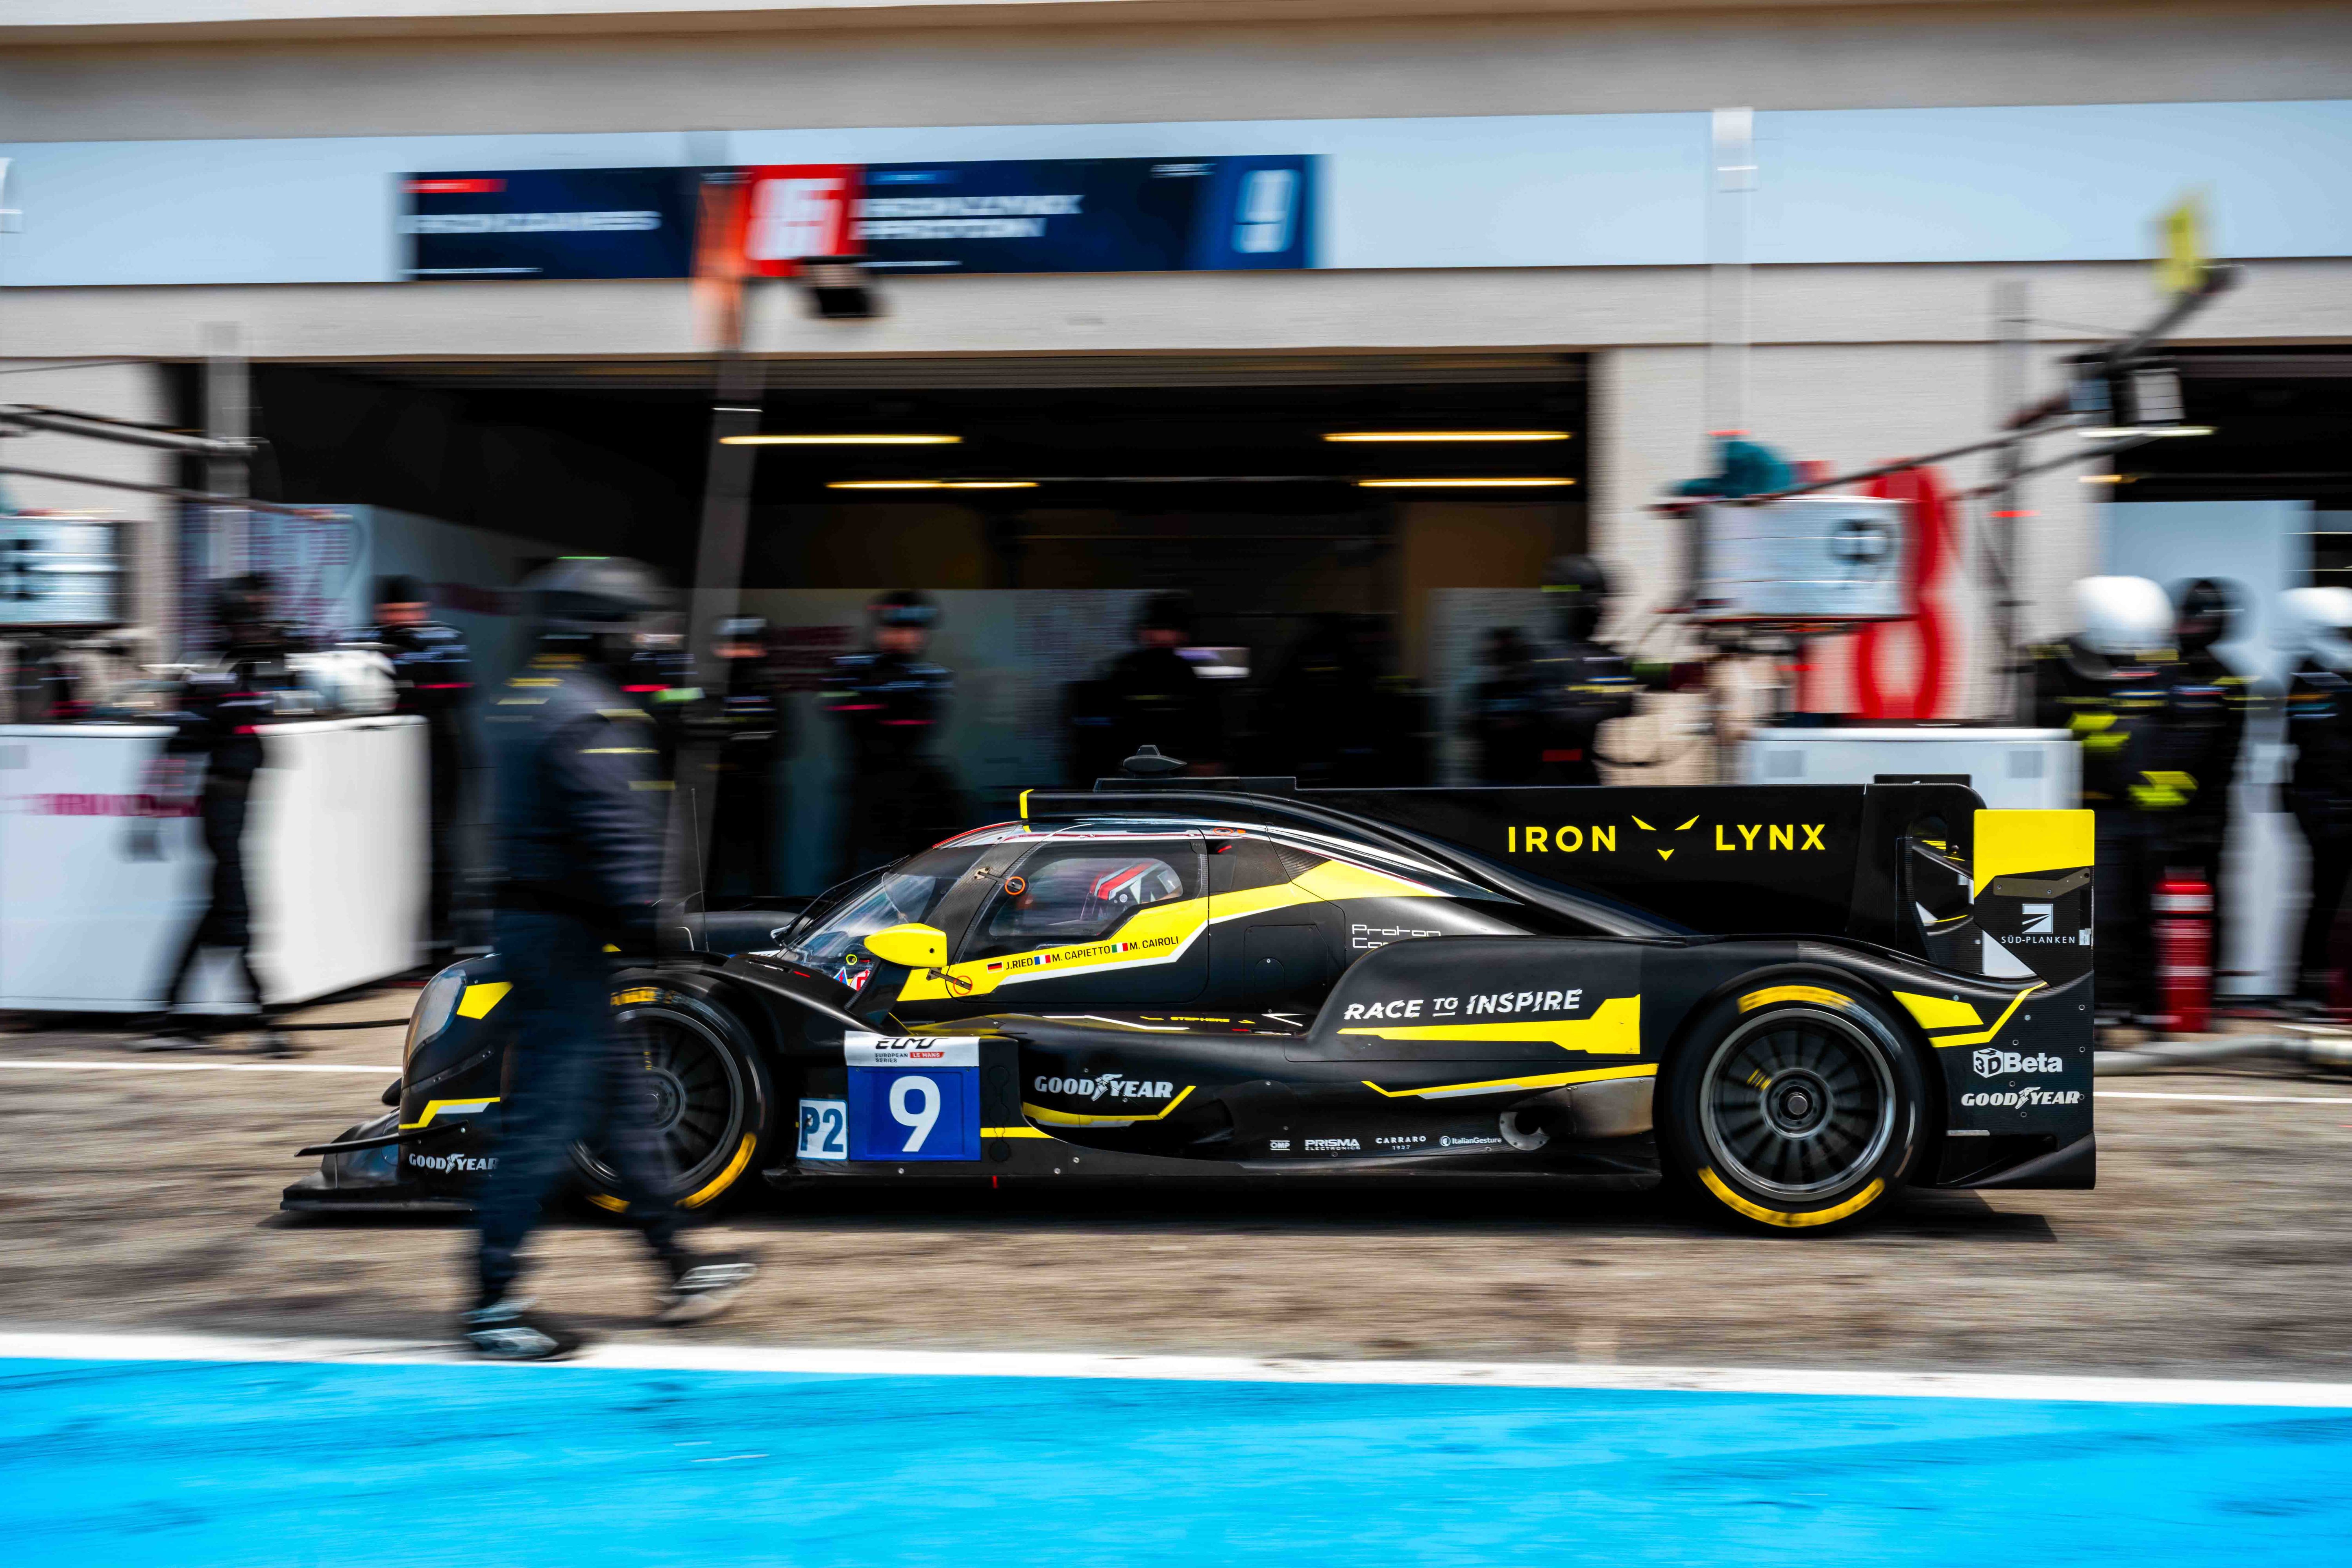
(1794, 1106)
(707, 1093)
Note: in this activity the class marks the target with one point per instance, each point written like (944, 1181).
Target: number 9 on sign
(915, 1105)
(931, 1113)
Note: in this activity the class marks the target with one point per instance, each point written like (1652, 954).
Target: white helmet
(347, 680)
(2318, 621)
(2121, 618)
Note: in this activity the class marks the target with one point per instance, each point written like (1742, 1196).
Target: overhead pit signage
(1090, 214)
(1075, 214)
(551, 223)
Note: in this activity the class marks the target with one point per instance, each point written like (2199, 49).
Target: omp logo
(1993, 1063)
(2036, 920)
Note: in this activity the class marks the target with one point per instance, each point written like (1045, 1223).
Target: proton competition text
(1501, 1002)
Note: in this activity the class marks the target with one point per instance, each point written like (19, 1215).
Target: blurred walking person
(1150, 696)
(896, 797)
(1503, 712)
(208, 765)
(1338, 716)
(2109, 683)
(2319, 785)
(578, 830)
(1585, 682)
(2207, 711)
(743, 719)
(433, 673)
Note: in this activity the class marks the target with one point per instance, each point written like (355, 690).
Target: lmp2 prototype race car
(1792, 1003)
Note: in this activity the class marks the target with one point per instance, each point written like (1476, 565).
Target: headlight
(434, 1005)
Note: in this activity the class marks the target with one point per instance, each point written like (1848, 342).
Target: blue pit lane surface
(259, 1463)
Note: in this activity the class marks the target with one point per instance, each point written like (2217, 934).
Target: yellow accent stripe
(1980, 1036)
(1014, 1132)
(1337, 879)
(478, 1000)
(2009, 841)
(1541, 1080)
(1072, 1119)
(726, 1178)
(435, 1108)
(1024, 805)
(1614, 1029)
(1756, 999)
(605, 1201)
(1854, 1205)
(1935, 1012)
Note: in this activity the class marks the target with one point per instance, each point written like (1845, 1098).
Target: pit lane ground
(135, 1201)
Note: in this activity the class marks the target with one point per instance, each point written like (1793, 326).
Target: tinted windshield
(908, 892)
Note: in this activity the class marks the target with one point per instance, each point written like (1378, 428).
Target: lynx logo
(1992, 1064)
(2037, 920)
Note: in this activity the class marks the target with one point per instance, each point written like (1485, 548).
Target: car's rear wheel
(708, 1094)
(1794, 1106)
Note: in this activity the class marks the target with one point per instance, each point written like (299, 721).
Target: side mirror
(914, 946)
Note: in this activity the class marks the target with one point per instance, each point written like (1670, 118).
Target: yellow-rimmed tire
(1795, 1104)
(711, 1099)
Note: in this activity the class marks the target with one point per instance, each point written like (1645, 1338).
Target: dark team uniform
(1582, 685)
(578, 826)
(433, 673)
(1334, 719)
(896, 797)
(1149, 696)
(2120, 714)
(2207, 710)
(745, 723)
(216, 732)
(1506, 718)
(2319, 794)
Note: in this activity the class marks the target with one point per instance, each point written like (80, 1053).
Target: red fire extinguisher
(2184, 951)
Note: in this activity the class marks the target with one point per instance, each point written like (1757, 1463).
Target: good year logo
(1105, 1086)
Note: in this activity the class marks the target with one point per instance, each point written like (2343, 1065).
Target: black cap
(401, 589)
(243, 601)
(1574, 575)
(903, 607)
(1169, 612)
(585, 595)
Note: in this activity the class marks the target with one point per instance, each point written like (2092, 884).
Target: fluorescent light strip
(2125, 432)
(931, 484)
(1462, 484)
(1407, 436)
(840, 440)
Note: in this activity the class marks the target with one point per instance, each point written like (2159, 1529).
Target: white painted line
(2233, 1099)
(651, 1353)
(194, 1067)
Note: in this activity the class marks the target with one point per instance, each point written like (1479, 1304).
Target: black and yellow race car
(1794, 1003)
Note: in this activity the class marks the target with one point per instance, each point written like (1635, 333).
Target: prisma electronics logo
(1993, 1063)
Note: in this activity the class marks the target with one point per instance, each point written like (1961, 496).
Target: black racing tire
(1796, 1102)
(714, 1100)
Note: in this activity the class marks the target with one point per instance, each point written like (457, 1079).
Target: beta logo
(1994, 1064)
